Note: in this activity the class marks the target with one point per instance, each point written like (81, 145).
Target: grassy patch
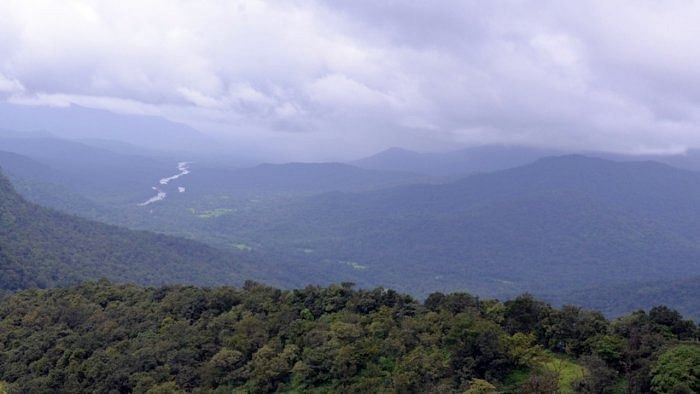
(569, 372)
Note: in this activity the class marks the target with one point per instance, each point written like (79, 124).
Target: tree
(480, 386)
(677, 370)
(544, 382)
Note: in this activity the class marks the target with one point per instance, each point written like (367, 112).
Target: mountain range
(557, 224)
(563, 227)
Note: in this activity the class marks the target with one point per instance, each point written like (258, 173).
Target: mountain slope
(294, 179)
(46, 186)
(40, 247)
(460, 162)
(683, 294)
(558, 224)
(489, 158)
(75, 122)
(96, 173)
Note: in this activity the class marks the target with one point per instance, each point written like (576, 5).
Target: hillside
(488, 158)
(102, 337)
(46, 186)
(683, 294)
(76, 122)
(293, 179)
(40, 247)
(558, 224)
(96, 173)
(459, 162)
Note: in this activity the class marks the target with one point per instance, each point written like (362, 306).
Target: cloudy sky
(344, 78)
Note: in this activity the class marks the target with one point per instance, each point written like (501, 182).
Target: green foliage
(542, 382)
(42, 248)
(677, 370)
(100, 337)
(521, 347)
(480, 386)
(567, 372)
(615, 237)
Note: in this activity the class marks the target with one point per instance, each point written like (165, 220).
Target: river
(184, 168)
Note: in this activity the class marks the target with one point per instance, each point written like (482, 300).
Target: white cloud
(11, 86)
(364, 75)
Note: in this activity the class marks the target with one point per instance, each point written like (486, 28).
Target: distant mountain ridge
(488, 158)
(76, 122)
(557, 224)
(683, 294)
(90, 170)
(460, 162)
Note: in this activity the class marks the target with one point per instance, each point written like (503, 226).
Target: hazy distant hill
(683, 294)
(489, 158)
(46, 186)
(460, 162)
(294, 179)
(557, 224)
(77, 122)
(94, 172)
(40, 247)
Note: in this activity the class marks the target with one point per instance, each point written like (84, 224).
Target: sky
(340, 79)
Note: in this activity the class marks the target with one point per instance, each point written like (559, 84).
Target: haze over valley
(309, 196)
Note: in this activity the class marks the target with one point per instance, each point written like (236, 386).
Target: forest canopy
(109, 338)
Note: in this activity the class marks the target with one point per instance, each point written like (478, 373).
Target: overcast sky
(344, 78)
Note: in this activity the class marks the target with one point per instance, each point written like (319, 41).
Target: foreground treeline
(107, 338)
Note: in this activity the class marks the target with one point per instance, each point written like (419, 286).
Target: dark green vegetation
(292, 179)
(460, 162)
(100, 337)
(683, 294)
(40, 247)
(554, 226)
(569, 229)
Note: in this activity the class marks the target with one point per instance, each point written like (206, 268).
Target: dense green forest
(107, 338)
(557, 227)
(562, 227)
(40, 247)
(683, 294)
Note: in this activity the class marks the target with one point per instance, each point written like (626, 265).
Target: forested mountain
(76, 122)
(40, 247)
(683, 294)
(293, 179)
(460, 162)
(94, 172)
(105, 338)
(556, 227)
(558, 224)
(488, 158)
(46, 186)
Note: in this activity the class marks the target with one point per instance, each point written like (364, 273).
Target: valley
(367, 196)
(591, 222)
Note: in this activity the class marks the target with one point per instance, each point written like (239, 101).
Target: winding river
(184, 168)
